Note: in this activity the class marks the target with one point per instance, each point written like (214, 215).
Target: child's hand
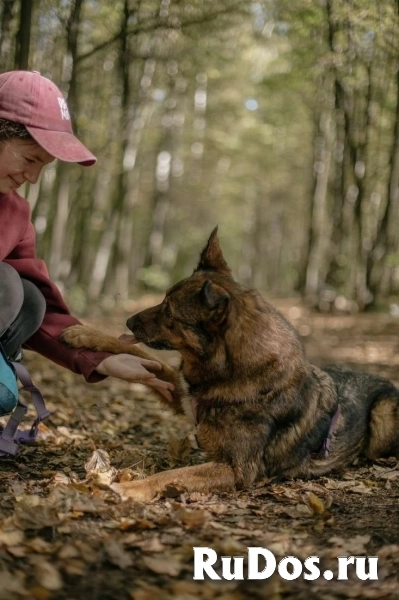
(134, 369)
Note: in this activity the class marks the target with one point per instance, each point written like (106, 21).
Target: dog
(260, 408)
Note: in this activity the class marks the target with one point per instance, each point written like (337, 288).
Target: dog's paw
(136, 490)
(80, 336)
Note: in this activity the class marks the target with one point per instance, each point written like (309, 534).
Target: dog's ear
(216, 299)
(211, 258)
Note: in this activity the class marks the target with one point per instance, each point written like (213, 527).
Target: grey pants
(22, 309)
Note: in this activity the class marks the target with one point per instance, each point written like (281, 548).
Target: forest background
(278, 120)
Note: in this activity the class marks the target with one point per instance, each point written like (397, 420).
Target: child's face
(21, 161)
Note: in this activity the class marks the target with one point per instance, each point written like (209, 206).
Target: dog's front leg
(209, 477)
(81, 336)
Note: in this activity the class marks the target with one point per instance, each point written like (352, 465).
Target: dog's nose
(133, 323)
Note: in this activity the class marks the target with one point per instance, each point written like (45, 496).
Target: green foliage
(154, 278)
(211, 112)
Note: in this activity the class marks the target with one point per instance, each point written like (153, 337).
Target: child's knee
(11, 296)
(34, 304)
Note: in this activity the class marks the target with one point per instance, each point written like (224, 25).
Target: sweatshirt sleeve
(57, 318)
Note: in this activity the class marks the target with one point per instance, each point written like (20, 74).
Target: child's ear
(212, 257)
(216, 299)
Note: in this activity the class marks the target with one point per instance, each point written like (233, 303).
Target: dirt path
(63, 536)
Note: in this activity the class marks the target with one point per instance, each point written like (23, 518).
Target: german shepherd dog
(260, 407)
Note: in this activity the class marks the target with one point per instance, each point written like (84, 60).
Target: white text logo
(290, 567)
(64, 109)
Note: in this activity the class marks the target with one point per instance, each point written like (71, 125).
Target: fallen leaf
(98, 468)
(191, 518)
(44, 432)
(11, 538)
(74, 567)
(38, 592)
(218, 508)
(117, 554)
(355, 546)
(298, 511)
(150, 593)
(39, 545)
(35, 516)
(12, 586)
(163, 565)
(71, 435)
(68, 551)
(151, 545)
(60, 479)
(46, 574)
(360, 488)
(315, 503)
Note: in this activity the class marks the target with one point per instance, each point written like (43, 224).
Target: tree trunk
(6, 40)
(23, 36)
(59, 230)
(72, 49)
(318, 238)
(121, 250)
(386, 235)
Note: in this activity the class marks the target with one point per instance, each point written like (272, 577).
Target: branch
(155, 24)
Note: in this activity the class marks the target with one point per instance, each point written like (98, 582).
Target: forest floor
(65, 536)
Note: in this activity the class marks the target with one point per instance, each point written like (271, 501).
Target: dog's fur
(260, 408)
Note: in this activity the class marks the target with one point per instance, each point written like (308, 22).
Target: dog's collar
(325, 447)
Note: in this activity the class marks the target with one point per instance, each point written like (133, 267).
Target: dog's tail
(384, 424)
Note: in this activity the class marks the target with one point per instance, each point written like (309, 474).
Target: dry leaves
(64, 535)
(99, 468)
(163, 565)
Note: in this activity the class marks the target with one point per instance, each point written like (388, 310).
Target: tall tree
(6, 34)
(22, 48)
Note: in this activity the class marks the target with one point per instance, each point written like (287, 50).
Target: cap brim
(63, 145)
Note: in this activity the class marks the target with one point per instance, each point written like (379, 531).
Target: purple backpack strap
(10, 436)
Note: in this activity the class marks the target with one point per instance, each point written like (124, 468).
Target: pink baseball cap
(34, 101)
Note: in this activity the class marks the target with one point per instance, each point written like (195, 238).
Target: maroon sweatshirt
(17, 248)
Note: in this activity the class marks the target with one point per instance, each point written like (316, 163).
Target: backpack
(8, 386)
(10, 434)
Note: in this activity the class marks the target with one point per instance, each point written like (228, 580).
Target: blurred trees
(276, 119)
(353, 243)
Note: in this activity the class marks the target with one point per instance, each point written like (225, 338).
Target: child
(35, 129)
